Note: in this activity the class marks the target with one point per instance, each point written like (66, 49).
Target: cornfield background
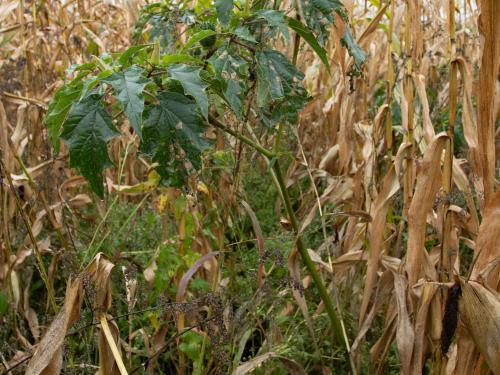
(393, 174)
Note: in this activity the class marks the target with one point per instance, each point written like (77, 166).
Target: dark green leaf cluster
(187, 63)
(319, 15)
(172, 136)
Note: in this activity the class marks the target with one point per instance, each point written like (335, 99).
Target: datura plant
(191, 67)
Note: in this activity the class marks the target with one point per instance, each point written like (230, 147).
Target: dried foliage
(394, 174)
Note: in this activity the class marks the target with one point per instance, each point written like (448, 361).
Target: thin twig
(7, 370)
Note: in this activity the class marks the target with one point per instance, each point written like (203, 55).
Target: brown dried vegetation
(416, 218)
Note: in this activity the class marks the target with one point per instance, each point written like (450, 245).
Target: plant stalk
(446, 268)
(301, 247)
(390, 83)
(263, 151)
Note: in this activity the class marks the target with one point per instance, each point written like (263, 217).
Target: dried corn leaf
(423, 315)
(389, 188)
(467, 355)
(468, 119)
(110, 360)
(47, 358)
(6, 8)
(489, 27)
(427, 185)
(405, 333)
(488, 240)
(384, 290)
(183, 284)
(480, 310)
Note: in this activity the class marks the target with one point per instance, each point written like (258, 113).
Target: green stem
(296, 46)
(242, 138)
(277, 140)
(301, 247)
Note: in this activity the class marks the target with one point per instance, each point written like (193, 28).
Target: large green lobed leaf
(309, 37)
(86, 131)
(280, 93)
(319, 16)
(58, 110)
(224, 10)
(128, 86)
(173, 135)
(190, 79)
(230, 70)
(353, 48)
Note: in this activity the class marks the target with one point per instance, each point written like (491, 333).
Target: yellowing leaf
(143, 187)
(161, 206)
(202, 188)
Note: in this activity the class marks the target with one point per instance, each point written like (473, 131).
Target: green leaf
(229, 69)
(233, 93)
(125, 56)
(309, 37)
(258, 4)
(288, 109)
(142, 187)
(93, 81)
(202, 6)
(241, 347)
(191, 345)
(86, 131)
(128, 86)
(145, 16)
(195, 38)
(88, 85)
(275, 18)
(319, 16)
(4, 304)
(353, 48)
(276, 74)
(224, 10)
(58, 110)
(190, 79)
(172, 136)
(179, 58)
(327, 6)
(164, 28)
(280, 94)
(200, 285)
(244, 33)
(86, 67)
